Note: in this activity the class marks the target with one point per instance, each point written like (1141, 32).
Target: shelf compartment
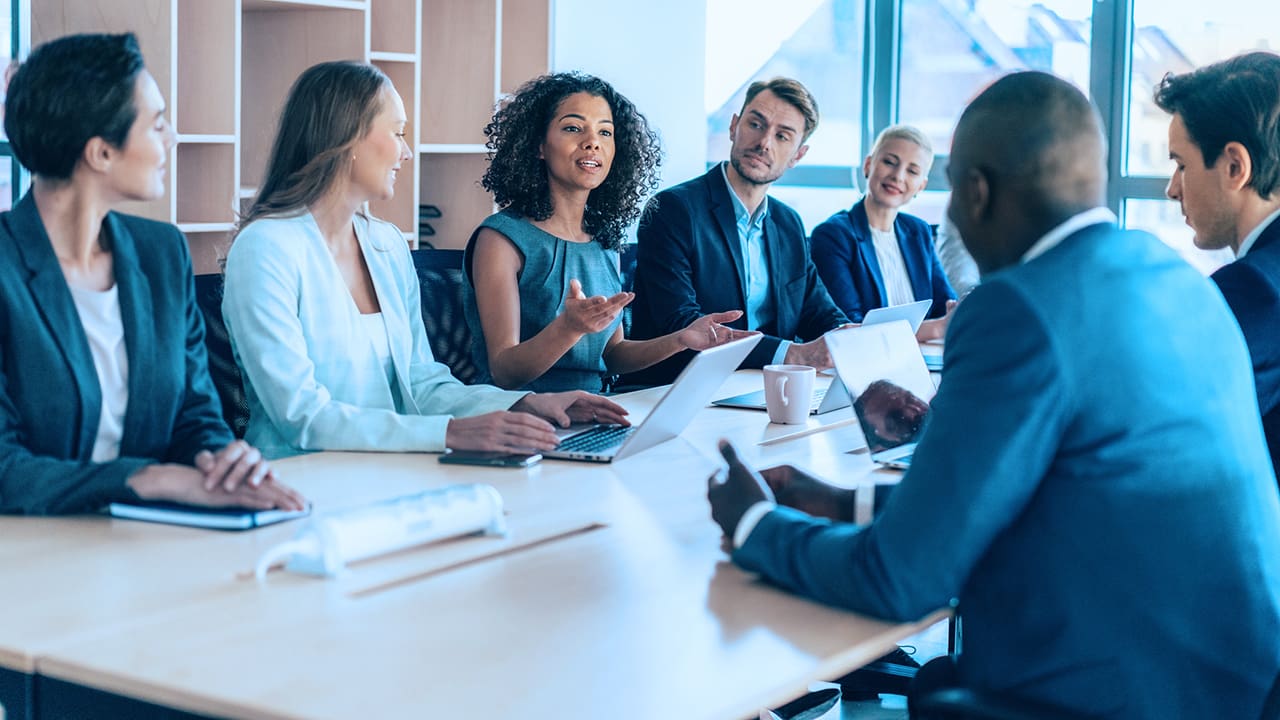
(208, 249)
(393, 27)
(206, 102)
(526, 41)
(206, 183)
(459, 61)
(402, 209)
(452, 183)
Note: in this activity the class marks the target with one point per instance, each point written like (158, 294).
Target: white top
(376, 329)
(1073, 224)
(104, 329)
(1255, 233)
(893, 269)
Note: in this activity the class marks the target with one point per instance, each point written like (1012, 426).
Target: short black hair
(517, 177)
(68, 91)
(1236, 100)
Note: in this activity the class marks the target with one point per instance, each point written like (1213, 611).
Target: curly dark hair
(517, 177)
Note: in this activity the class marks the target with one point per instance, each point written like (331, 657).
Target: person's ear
(866, 167)
(799, 154)
(1238, 165)
(733, 127)
(977, 195)
(924, 184)
(98, 154)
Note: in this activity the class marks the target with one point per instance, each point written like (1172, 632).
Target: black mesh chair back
(441, 278)
(222, 365)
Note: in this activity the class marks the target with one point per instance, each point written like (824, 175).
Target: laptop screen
(887, 379)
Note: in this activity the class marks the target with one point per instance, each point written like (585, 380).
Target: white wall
(652, 52)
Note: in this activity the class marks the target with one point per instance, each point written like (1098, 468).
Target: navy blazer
(689, 263)
(50, 399)
(1096, 493)
(1251, 286)
(846, 260)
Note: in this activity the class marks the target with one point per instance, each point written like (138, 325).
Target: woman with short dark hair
(572, 160)
(104, 389)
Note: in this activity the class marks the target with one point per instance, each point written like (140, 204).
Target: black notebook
(212, 518)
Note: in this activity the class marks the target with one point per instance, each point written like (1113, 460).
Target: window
(819, 43)
(10, 172)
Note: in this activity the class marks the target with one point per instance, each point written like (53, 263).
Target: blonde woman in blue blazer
(322, 300)
(105, 393)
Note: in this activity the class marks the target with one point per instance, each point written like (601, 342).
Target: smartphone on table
(490, 459)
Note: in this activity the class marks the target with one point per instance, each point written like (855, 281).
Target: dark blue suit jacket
(50, 399)
(1096, 493)
(689, 263)
(846, 260)
(1251, 286)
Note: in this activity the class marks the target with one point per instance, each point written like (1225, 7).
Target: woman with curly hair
(571, 160)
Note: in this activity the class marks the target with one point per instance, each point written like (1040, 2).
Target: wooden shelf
(208, 249)
(207, 139)
(392, 57)
(284, 5)
(453, 149)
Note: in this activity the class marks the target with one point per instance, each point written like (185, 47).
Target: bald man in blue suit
(1094, 489)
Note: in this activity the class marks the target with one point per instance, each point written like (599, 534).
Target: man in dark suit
(1096, 499)
(1225, 139)
(718, 242)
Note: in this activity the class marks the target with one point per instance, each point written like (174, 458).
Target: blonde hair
(904, 132)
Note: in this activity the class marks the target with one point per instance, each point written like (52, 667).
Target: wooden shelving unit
(225, 67)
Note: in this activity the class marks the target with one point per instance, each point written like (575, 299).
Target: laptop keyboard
(818, 395)
(596, 439)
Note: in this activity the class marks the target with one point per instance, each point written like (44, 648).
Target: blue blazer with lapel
(689, 263)
(1251, 286)
(846, 260)
(1094, 491)
(50, 399)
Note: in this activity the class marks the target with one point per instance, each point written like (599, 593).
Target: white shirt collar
(1094, 216)
(739, 207)
(1253, 235)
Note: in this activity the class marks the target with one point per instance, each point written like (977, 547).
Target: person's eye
(755, 125)
(571, 128)
(606, 133)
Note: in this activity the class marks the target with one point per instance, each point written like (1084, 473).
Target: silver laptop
(834, 397)
(883, 371)
(912, 312)
(687, 395)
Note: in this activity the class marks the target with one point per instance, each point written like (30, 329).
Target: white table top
(640, 617)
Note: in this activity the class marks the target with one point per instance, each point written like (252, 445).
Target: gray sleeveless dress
(549, 264)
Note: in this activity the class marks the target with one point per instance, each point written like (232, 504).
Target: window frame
(1111, 55)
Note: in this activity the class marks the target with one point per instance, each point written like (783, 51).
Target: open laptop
(834, 397)
(883, 371)
(912, 312)
(687, 395)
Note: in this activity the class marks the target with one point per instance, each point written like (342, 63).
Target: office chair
(222, 365)
(440, 276)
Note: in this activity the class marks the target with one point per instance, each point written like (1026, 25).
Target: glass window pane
(818, 42)
(1177, 36)
(952, 49)
(1163, 219)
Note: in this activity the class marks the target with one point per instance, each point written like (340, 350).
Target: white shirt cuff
(749, 520)
(780, 355)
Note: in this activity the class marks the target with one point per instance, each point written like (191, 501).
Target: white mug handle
(782, 390)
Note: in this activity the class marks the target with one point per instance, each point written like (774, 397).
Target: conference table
(609, 596)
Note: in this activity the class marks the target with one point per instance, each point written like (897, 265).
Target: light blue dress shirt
(755, 265)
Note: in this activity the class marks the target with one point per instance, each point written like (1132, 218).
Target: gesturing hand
(586, 315)
(733, 491)
(709, 331)
(501, 431)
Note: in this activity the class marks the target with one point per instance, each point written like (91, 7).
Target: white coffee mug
(788, 392)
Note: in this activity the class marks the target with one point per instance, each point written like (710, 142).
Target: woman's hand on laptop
(564, 408)
(501, 431)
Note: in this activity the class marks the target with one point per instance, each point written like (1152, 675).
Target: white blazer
(313, 380)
